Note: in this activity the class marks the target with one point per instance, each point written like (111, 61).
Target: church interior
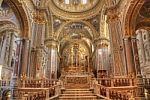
(74, 49)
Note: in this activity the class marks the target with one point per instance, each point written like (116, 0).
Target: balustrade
(37, 83)
(116, 82)
(146, 81)
(108, 93)
(46, 89)
(4, 83)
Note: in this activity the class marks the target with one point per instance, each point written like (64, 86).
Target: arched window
(66, 1)
(84, 1)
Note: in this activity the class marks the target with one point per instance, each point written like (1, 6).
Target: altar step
(77, 94)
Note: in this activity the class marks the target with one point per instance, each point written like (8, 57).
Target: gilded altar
(78, 80)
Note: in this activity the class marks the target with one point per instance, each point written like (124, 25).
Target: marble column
(141, 45)
(39, 62)
(52, 66)
(38, 50)
(25, 57)
(11, 49)
(14, 81)
(129, 57)
(148, 40)
(139, 80)
(97, 56)
(3, 48)
(135, 55)
(102, 54)
(117, 51)
(147, 46)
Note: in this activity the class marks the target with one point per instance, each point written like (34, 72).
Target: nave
(74, 50)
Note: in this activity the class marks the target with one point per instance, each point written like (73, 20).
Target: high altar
(74, 49)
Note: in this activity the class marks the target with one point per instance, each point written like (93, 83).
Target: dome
(75, 5)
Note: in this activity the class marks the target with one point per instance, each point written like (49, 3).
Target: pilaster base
(140, 98)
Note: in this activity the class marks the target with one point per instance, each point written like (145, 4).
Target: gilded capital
(101, 43)
(112, 14)
(38, 17)
(51, 43)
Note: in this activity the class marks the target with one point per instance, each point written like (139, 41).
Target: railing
(146, 81)
(39, 89)
(108, 94)
(45, 94)
(38, 83)
(4, 83)
(116, 82)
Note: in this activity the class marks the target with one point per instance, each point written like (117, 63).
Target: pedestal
(14, 88)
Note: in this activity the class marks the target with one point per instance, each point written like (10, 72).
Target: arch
(84, 22)
(20, 12)
(9, 26)
(131, 14)
(82, 41)
(6, 94)
(145, 24)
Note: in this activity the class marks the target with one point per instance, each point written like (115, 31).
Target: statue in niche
(53, 75)
(147, 54)
(12, 62)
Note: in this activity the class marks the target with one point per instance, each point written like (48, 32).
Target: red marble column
(129, 57)
(139, 80)
(24, 57)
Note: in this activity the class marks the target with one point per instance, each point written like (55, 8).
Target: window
(66, 1)
(84, 1)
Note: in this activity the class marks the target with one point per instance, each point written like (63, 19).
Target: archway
(6, 95)
(22, 16)
(131, 14)
(75, 40)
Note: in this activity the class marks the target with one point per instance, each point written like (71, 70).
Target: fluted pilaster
(39, 28)
(11, 49)
(102, 54)
(139, 80)
(129, 57)
(141, 46)
(52, 65)
(115, 31)
(135, 55)
(25, 57)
